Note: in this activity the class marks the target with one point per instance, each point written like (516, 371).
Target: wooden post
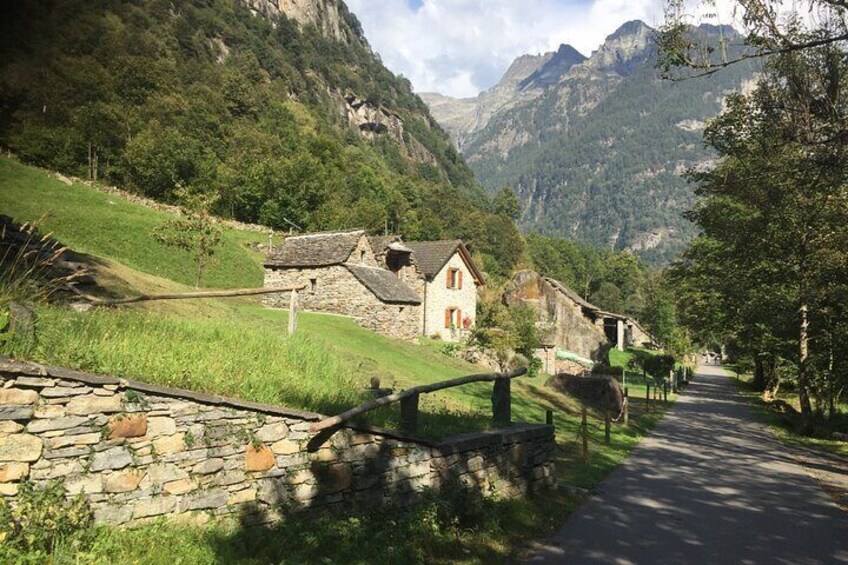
(626, 414)
(501, 403)
(584, 432)
(549, 417)
(607, 425)
(647, 397)
(293, 313)
(409, 413)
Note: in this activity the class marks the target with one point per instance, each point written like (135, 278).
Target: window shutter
(458, 319)
(448, 318)
(459, 284)
(448, 281)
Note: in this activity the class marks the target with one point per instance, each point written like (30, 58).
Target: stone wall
(138, 451)
(564, 323)
(337, 291)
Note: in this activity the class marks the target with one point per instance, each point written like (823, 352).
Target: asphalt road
(709, 485)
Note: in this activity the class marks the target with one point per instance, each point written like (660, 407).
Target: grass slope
(108, 226)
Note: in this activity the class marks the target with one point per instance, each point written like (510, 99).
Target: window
(454, 279)
(453, 318)
(362, 256)
(313, 284)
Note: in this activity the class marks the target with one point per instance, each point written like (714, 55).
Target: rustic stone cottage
(342, 276)
(445, 277)
(400, 289)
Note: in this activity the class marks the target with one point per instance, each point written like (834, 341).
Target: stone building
(568, 322)
(342, 276)
(444, 276)
(400, 289)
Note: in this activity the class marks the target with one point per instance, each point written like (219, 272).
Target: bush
(42, 517)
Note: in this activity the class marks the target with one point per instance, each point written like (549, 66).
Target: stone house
(400, 289)
(445, 277)
(342, 276)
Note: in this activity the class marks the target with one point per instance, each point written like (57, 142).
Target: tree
(195, 231)
(771, 27)
(775, 208)
(506, 203)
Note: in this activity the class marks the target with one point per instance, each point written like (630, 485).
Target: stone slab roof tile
(384, 284)
(314, 250)
(430, 256)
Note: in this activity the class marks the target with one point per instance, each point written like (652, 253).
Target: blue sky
(461, 47)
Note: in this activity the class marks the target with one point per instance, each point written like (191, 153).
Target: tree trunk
(803, 369)
(759, 382)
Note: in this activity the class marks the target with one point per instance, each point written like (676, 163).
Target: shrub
(41, 518)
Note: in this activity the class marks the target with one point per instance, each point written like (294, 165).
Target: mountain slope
(277, 111)
(595, 146)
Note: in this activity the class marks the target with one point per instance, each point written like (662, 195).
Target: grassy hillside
(106, 225)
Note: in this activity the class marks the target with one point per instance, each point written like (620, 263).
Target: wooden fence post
(501, 403)
(293, 307)
(626, 415)
(409, 413)
(585, 432)
(607, 425)
(647, 397)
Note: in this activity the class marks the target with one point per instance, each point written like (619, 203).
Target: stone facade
(137, 451)
(561, 319)
(439, 298)
(334, 289)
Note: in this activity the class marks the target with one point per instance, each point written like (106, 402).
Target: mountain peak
(558, 64)
(633, 27)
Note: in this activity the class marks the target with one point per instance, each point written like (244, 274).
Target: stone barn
(342, 276)
(568, 322)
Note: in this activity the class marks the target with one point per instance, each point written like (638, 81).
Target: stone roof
(384, 284)
(573, 296)
(314, 250)
(430, 256)
(380, 243)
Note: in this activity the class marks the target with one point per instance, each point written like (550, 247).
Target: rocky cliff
(330, 17)
(594, 146)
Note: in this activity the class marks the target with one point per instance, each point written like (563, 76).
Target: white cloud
(460, 47)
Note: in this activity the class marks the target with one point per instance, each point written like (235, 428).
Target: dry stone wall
(137, 451)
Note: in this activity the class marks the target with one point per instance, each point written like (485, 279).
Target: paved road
(710, 485)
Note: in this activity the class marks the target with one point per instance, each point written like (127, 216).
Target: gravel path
(709, 485)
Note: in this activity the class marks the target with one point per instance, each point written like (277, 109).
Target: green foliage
(767, 274)
(214, 99)
(40, 519)
(195, 232)
(614, 281)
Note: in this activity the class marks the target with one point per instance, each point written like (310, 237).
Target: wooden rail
(501, 403)
(181, 295)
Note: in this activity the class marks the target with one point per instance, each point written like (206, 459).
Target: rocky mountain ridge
(595, 146)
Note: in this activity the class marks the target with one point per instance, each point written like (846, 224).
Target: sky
(461, 47)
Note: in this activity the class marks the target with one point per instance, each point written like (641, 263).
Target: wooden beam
(182, 295)
(421, 389)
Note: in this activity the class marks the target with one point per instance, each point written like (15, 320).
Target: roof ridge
(319, 233)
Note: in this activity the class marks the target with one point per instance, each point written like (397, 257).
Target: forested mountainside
(595, 147)
(277, 111)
